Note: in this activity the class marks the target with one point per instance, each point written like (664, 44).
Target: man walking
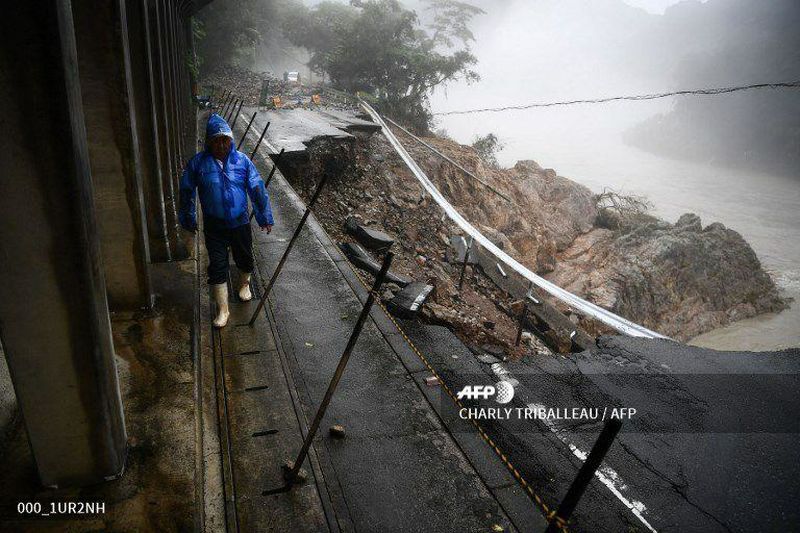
(224, 178)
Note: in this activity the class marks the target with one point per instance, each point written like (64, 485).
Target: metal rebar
(238, 111)
(226, 103)
(229, 108)
(255, 148)
(246, 130)
(467, 248)
(340, 368)
(274, 166)
(223, 98)
(522, 315)
(585, 474)
(278, 269)
(271, 173)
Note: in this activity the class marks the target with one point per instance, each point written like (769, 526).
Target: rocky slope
(680, 279)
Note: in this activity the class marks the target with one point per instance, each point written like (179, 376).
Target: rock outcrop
(679, 279)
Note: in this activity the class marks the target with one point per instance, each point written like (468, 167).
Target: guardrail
(605, 316)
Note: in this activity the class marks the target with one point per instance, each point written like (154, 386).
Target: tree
(231, 30)
(451, 20)
(487, 148)
(378, 47)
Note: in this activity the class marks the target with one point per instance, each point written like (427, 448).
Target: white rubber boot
(221, 297)
(244, 287)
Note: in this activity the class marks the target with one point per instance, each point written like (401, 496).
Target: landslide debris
(259, 88)
(679, 279)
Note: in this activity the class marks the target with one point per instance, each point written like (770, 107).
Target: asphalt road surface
(712, 445)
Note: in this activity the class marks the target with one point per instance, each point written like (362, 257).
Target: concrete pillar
(168, 102)
(169, 39)
(147, 132)
(176, 82)
(54, 319)
(162, 126)
(192, 143)
(109, 110)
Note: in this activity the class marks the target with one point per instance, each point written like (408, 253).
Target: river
(584, 143)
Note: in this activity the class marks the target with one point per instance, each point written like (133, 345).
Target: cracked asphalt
(712, 447)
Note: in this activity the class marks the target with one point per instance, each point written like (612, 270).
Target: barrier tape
(605, 316)
(550, 514)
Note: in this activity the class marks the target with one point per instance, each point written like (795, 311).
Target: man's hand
(267, 228)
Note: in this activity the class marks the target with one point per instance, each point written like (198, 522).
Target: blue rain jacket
(223, 191)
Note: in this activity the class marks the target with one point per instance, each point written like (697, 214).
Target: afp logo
(503, 392)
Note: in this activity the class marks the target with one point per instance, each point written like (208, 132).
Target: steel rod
(226, 103)
(274, 166)
(229, 109)
(238, 111)
(340, 368)
(464, 264)
(585, 474)
(278, 269)
(255, 148)
(218, 99)
(269, 178)
(522, 316)
(246, 130)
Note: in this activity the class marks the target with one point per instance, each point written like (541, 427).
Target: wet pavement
(398, 469)
(157, 489)
(711, 447)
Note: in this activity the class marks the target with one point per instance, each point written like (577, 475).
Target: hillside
(680, 279)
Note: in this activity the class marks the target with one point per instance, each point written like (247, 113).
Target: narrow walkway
(399, 468)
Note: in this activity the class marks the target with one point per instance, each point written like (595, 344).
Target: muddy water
(585, 144)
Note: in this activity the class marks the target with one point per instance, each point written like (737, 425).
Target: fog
(731, 158)
(543, 51)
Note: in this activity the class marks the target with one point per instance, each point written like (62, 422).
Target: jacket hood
(217, 126)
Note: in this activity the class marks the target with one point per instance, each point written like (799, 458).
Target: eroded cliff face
(680, 279)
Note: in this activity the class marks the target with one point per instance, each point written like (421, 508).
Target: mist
(721, 166)
(733, 158)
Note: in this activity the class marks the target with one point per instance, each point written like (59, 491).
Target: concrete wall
(109, 113)
(54, 320)
(8, 402)
(86, 174)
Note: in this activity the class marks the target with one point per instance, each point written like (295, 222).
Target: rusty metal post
(468, 247)
(271, 173)
(231, 107)
(220, 99)
(291, 475)
(246, 130)
(225, 104)
(278, 269)
(522, 315)
(255, 148)
(274, 166)
(585, 475)
(238, 111)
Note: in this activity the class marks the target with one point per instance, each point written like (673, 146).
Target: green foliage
(487, 147)
(378, 47)
(374, 46)
(232, 30)
(451, 20)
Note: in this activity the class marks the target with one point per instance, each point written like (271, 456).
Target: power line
(700, 92)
